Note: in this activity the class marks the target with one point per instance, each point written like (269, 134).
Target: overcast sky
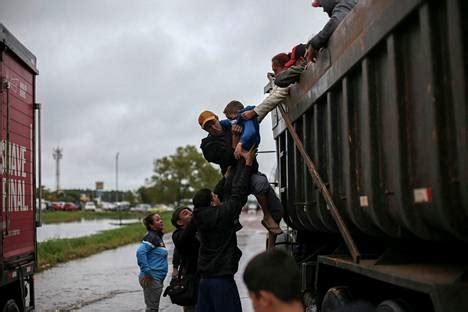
(132, 76)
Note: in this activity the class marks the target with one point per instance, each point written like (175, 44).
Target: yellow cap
(206, 116)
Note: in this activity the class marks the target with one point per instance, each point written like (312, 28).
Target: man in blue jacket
(152, 260)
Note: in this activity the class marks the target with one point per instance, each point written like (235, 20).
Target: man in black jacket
(218, 147)
(337, 11)
(219, 255)
(187, 246)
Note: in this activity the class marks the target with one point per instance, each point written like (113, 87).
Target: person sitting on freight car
(286, 75)
(218, 147)
(336, 10)
(273, 281)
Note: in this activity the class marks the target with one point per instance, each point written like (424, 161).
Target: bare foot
(272, 226)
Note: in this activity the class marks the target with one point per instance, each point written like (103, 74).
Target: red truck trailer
(17, 171)
(384, 116)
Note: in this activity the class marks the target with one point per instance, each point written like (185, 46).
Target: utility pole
(58, 154)
(117, 186)
(117, 177)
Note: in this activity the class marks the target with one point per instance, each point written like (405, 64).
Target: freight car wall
(17, 157)
(384, 116)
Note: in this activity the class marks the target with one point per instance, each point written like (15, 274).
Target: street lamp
(116, 175)
(117, 186)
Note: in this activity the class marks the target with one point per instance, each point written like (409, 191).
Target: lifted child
(249, 137)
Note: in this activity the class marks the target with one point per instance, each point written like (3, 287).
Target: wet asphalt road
(108, 281)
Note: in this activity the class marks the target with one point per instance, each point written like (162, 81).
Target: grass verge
(57, 251)
(48, 217)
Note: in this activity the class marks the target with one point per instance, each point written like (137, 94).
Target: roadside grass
(48, 217)
(53, 252)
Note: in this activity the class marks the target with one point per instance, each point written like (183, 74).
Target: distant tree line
(174, 181)
(76, 195)
(177, 177)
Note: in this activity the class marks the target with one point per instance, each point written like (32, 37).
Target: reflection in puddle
(108, 281)
(77, 229)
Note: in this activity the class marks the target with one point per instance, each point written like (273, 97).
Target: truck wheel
(10, 306)
(395, 305)
(335, 298)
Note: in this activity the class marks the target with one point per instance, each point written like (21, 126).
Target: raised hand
(236, 129)
(311, 55)
(249, 155)
(247, 115)
(238, 151)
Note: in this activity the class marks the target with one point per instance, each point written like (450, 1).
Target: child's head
(232, 109)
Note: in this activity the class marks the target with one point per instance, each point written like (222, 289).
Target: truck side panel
(383, 114)
(16, 171)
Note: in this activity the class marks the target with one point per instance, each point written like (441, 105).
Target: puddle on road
(109, 281)
(104, 282)
(77, 229)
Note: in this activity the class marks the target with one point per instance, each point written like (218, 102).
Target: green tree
(179, 176)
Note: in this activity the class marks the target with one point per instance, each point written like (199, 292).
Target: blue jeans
(218, 294)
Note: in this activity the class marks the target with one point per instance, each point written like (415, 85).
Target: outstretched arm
(339, 12)
(276, 97)
(240, 183)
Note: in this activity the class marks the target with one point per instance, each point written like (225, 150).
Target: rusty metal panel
(17, 77)
(384, 116)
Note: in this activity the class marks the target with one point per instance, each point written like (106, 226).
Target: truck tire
(335, 298)
(395, 305)
(10, 306)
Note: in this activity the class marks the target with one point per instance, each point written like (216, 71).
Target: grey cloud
(133, 76)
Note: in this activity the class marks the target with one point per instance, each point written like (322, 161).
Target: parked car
(57, 205)
(70, 206)
(141, 207)
(251, 206)
(90, 206)
(123, 206)
(108, 206)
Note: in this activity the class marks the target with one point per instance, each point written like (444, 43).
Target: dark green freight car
(383, 114)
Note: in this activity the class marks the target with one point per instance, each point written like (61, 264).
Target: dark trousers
(218, 294)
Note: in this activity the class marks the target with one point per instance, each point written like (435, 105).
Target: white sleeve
(277, 96)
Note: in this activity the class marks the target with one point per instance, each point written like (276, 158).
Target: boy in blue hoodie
(249, 137)
(250, 134)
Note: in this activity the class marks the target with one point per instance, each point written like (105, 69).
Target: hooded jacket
(336, 10)
(219, 254)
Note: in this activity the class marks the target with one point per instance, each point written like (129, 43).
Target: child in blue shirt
(250, 137)
(250, 134)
